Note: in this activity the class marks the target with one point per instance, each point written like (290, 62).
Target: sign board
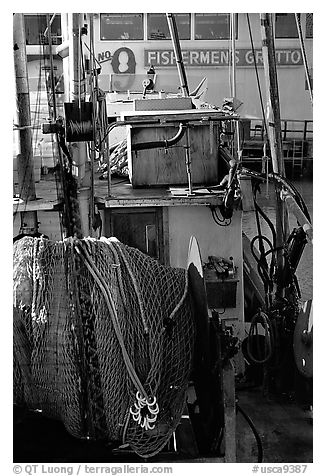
(198, 57)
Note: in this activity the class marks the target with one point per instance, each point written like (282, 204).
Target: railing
(296, 141)
(289, 130)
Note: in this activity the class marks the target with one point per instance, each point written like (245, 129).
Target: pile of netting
(103, 339)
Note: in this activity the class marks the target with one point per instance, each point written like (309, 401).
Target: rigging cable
(304, 56)
(257, 76)
(50, 88)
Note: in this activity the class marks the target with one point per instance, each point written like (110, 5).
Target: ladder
(297, 155)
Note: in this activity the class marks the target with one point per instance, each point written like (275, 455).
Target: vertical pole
(234, 85)
(48, 29)
(107, 146)
(178, 54)
(25, 164)
(273, 105)
(188, 163)
(233, 61)
(275, 134)
(77, 95)
(94, 94)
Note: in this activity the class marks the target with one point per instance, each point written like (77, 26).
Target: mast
(25, 166)
(275, 134)
(75, 90)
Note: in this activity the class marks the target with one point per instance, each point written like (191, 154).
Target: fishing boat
(134, 287)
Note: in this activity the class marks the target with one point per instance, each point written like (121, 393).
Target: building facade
(128, 44)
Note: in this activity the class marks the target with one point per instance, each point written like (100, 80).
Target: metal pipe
(163, 143)
(178, 54)
(233, 61)
(234, 84)
(275, 137)
(188, 163)
(273, 106)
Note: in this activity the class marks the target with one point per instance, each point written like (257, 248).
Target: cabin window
(309, 25)
(213, 26)
(35, 26)
(121, 26)
(142, 228)
(158, 29)
(285, 26)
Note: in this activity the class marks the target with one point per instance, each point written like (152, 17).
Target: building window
(121, 26)
(309, 25)
(213, 26)
(285, 26)
(35, 26)
(158, 29)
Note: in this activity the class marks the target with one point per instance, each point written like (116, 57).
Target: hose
(255, 432)
(283, 181)
(261, 318)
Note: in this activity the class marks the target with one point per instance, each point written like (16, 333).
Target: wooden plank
(161, 166)
(247, 194)
(122, 195)
(159, 202)
(38, 204)
(165, 116)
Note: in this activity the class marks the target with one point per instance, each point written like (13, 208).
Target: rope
(92, 268)
(133, 280)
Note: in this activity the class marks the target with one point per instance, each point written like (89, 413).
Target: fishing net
(103, 339)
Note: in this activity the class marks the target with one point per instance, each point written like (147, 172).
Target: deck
(122, 195)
